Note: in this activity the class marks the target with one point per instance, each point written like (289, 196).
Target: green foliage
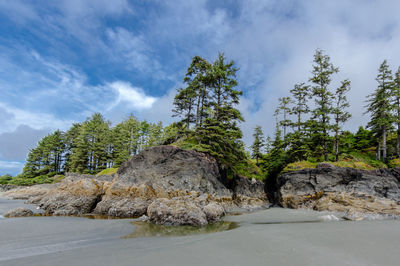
(380, 108)
(258, 144)
(209, 103)
(394, 163)
(4, 179)
(296, 166)
(108, 171)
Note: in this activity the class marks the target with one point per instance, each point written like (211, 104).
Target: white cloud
(35, 120)
(133, 96)
(10, 167)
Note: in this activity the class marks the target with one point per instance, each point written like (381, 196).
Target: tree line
(309, 123)
(91, 146)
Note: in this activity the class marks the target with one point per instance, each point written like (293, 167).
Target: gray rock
(18, 212)
(176, 212)
(341, 189)
(245, 187)
(168, 168)
(171, 185)
(122, 207)
(213, 212)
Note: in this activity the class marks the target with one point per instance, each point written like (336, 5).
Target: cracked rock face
(341, 189)
(170, 185)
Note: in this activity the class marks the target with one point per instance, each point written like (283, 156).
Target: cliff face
(166, 183)
(355, 192)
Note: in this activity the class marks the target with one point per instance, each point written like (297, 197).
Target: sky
(61, 61)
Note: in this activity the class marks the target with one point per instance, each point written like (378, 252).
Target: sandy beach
(270, 237)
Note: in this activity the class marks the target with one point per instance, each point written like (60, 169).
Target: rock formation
(168, 184)
(355, 192)
(18, 212)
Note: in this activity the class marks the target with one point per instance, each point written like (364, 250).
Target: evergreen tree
(71, 143)
(339, 112)
(284, 109)
(380, 108)
(275, 160)
(363, 139)
(91, 153)
(46, 157)
(125, 139)
(258, 144)
(300, 95)
(396, 105)
(322, 71)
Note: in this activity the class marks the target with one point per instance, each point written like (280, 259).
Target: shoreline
(276, 236)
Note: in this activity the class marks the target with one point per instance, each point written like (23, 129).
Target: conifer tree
(284, 109)
(322, 72)
(396, 107)
(339, 112)
(258, 144)
(125, 139)
(300, 95)
(90, 155)
(380, 108)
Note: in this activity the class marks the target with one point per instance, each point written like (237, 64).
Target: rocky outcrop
(354, 192)
(18, 212)
(168, 184)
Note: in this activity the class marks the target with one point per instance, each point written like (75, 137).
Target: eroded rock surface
(358, 193)
(170, 185)
(18, 212)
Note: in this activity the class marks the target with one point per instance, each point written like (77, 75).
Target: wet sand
(270, 237)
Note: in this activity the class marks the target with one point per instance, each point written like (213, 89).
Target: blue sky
(60, 61)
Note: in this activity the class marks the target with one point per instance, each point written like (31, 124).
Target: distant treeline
(91, 146)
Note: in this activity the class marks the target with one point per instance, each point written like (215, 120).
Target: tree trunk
(284, 126)
(384, 144)
(378, 151)
(398, 140)
(337, 147)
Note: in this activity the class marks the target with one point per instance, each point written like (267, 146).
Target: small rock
(176, 212)
(213, 212)
(18, 212)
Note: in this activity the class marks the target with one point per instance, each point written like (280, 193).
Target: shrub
(394, 163)
(108, 171)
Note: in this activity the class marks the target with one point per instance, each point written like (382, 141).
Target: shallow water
(270, 237)
(145, 229)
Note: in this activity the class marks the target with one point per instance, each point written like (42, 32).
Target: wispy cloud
(133, 96)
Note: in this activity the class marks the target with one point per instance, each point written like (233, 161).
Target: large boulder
(176, 212)
(341, 189)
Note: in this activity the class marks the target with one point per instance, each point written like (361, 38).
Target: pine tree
(125, 139)
(396, 105)
(339, 112)
(284, 109)
(322, 71)
(258, 144)
(380, 108)
(300, 95)
(91, 152)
